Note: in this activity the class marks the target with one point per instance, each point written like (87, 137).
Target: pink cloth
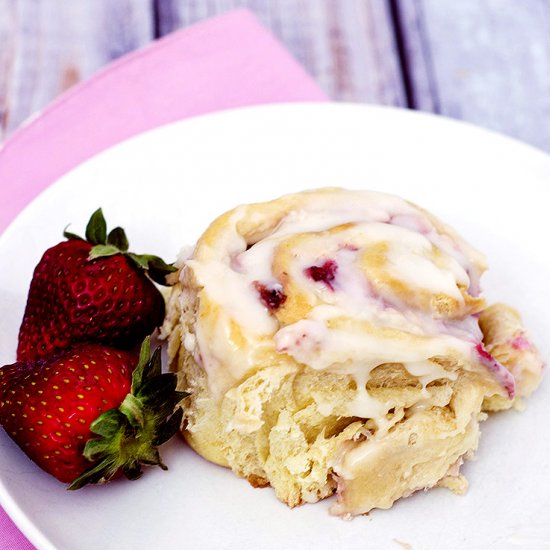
(226, 62)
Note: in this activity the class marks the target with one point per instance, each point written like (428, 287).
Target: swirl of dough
(337, 280)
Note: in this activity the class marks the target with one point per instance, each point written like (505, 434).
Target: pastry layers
(337, 341)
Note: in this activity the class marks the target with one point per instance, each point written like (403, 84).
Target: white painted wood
(47, 46)
(484, 61)
(7, 57)
(347, 45)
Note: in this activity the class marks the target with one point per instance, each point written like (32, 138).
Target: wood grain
(7, 58)
(348, 46)
(47, 46)
(484, 61)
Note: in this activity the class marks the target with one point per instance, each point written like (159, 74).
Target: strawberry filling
(325, 273)
(521, 343)
(271, 297)
(503, 375)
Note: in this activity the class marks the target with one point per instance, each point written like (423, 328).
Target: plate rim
(433, 118)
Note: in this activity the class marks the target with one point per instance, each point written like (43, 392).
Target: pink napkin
(226, 62)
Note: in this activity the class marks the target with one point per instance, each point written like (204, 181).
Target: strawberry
(90, 412)
(91, 289)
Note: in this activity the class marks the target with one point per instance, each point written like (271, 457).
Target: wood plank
(348, 46)
(6, 60)
(48, 46)
(484, 61)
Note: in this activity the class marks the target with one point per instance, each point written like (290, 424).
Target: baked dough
(337, 341)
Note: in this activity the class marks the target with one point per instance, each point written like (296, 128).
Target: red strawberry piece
(325, 273)
(272, 297)
(90, 412)
(91, 290)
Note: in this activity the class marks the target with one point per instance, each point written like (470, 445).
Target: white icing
(235, 293)
(428, 371)
(186, 251)
(342, 350)
(189, 341)
(354, 323)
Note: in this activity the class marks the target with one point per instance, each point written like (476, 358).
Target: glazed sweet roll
(337, 341)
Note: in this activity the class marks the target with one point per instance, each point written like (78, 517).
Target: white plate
(164, 187)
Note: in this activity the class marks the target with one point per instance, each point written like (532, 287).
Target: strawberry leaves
(117, 238)
(156, 267)
(116, 242)
(96, 230)
(129, 436)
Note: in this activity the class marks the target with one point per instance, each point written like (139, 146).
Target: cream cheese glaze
(395, 288)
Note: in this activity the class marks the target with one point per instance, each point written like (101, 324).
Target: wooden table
(484, 61)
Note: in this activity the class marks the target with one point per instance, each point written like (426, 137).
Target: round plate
(165, 187)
